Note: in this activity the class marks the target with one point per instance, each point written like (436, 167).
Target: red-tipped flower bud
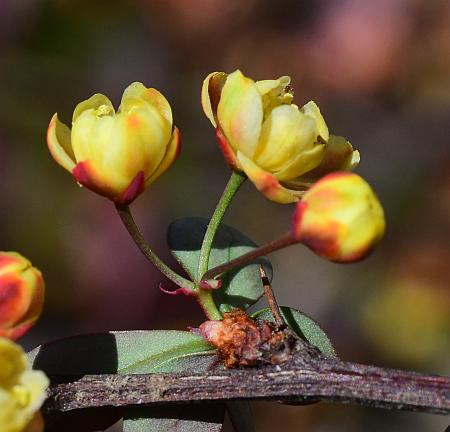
(339, 218)
(117, 154)
(21, 295)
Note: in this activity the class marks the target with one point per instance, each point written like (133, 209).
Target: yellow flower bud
(21, 295)
(261, 132)
(118, 154)
(339, 218)
(22, 391)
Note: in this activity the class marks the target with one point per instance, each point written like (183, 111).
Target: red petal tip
(133, 190)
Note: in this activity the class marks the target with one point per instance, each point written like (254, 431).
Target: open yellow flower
(117, 154)
(21, 294)
(262, 133)
(339, 218)
(22, 391)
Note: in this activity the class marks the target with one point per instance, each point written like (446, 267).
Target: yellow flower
(22, 391)
(21, 294)
(118, 154)
(261, 132)
(339, 218)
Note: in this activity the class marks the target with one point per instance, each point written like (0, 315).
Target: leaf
(241, 287)
(303, 326)
(207, 417)
(126, 352)
(123, 352)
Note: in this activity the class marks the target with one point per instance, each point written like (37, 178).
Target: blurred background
(380, 71)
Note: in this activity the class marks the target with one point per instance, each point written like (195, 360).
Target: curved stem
(130, 225)
(236, 180)
(206, 302)
(281, 242)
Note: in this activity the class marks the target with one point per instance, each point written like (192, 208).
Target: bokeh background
(379, 70)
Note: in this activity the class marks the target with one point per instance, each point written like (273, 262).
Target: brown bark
(305, 377)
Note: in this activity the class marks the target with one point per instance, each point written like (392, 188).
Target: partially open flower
(22, 391)
(21, 294)
(261, 132)
(118, 154)
(339, 218)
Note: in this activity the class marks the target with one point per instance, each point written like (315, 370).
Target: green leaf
(123, 352)
(206, 417)
(240, 287)
(303, 326)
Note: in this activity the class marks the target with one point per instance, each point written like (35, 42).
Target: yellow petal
(312, 110)
(86, 174)
(152, 96)
(265, 182)
(285, 135)
(13, 363)
(119, 147)
(90, 134)
(240, 113)
(303, 163)
(22, 392)
(211, 92)
(172, 152)
(93, 103)
(275, 93)
(266, 86)
(36, 383)
(59, 143)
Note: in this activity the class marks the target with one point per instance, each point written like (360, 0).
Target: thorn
(178, 291)
(211, 284)
(271, 300)
(264, 279)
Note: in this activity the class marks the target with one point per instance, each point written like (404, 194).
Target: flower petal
(120, 147)
(59, 143)
(172, 153)
(266, 86)
(275, 93)
(303, 163)
(86, 175)
(285, 134)
(265, 182)
(93, 103)
(152, 96)
(210, 96)
(240, 113)
(312, 110)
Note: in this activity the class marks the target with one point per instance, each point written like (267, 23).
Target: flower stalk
(128, 220)
(235, 182)
(284, 241)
